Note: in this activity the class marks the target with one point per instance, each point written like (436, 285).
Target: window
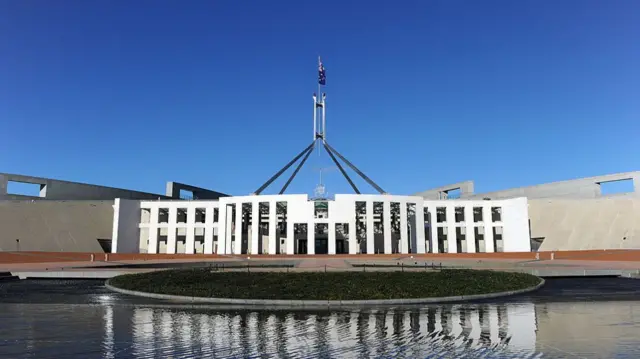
(321, 209)
(477, 214)
(459, 214)
(441, 214)
(496, 214)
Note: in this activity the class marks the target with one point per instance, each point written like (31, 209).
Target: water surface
(568, 318)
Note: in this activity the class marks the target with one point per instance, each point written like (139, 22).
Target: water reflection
(104, 325)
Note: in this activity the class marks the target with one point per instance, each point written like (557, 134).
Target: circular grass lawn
(324, 286)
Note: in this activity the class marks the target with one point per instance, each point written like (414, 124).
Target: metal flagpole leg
(293, 175)
(283, 169)
(341, 169)
(373, 184)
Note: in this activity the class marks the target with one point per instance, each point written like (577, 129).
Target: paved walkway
(570, 262)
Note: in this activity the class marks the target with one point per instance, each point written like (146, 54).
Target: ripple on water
(40, 322)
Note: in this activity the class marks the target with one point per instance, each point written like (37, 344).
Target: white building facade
(348, 224)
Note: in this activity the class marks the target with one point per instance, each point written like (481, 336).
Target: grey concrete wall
(574, 224)
(64, 190)
(588, 187)
(72, 226)
(173, 191)
(466, 190)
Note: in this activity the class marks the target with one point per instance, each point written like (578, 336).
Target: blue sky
(419, 93)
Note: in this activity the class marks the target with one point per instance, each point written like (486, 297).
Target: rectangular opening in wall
(186, 194)
(300, 245)
(182, 215)
(378, 227)
(25, 189)
(461, 239)
(459, 214)
(163, 215)
(616, 187)
(453, 193)
(201, 215)
(321, 209)
(496, 214)
(342, 235)
(145, 216)
(361, 226)
(477, 214)
(105, 244)
(479, 235)
(498, 242)
(443, 246)
(441, 214)
(411, 228)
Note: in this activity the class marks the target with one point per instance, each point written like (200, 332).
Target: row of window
(321, 212)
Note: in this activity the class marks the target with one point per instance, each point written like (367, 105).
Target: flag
(322, 77)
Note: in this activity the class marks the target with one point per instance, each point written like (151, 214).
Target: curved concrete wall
(70, 226)
(575, 224)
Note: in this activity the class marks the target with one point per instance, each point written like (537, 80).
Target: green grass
(325, 286)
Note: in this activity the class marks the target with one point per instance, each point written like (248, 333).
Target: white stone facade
(348, 224)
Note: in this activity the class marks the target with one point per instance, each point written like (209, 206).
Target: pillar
(488, 229)
(468, 223)
(273, 221)
(190, 238)
(171, 235)
(209, 230)
(228, 233)
(237, 243)
(419, 230)
(255, 228)
(311, 238)
(332, 238)
(153, 231)
(434, 229)
(451, 229)
(386, 223)
(370, 233)
(290, 234)
(404, 235)
(353, 237)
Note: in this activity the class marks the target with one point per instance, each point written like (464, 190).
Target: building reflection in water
(467, 328)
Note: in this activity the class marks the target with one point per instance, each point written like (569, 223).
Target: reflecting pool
(568, 318)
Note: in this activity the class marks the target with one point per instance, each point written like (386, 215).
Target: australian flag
(322, 76)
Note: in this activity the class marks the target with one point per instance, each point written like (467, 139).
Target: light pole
(18, 244)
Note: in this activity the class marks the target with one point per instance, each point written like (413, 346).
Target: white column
(404, 236)
(209, 230)
(229, 231)
(171, 235)
(353, 237)
(153, 231)
(273, 220)
(488, 229)
(190, 238)
(451, 229)
(332, 238)
(290, 233)
(237, 246)
(311, 238)
(386, 215)
(434, 229)
(255, 228)
(370, 233)
(420, 248)
(468, 222)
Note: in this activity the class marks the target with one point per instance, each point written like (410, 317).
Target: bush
(325, 286)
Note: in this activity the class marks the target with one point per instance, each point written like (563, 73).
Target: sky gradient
(420, 94)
